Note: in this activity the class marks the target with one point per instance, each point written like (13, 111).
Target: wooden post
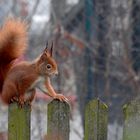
(58, 121)
(19, 122)
(132, 120)
(96, 119)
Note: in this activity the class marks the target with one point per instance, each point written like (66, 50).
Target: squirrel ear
(44, 53)
(46, 49)
(51, 50)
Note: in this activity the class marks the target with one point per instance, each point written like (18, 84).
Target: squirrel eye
(49, 66)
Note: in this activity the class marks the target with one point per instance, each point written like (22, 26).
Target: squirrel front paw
(61, 97)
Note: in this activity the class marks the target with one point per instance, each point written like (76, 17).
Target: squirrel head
(47, 64)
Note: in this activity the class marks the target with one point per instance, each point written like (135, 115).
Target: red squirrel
(19, 81)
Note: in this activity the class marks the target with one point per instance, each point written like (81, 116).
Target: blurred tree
(136, 35)
(88, 58)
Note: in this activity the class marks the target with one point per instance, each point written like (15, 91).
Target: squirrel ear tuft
(51, 50)
(45, 52)
(46, 49)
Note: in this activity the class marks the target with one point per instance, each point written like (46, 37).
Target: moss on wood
(19, 122)
(96, 118)
(58, 120)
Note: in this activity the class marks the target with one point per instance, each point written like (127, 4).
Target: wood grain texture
(58, 127)
(19, 122)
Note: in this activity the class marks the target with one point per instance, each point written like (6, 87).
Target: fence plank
(19, 122)
(58, 121)
(96, 119)
(132, 121)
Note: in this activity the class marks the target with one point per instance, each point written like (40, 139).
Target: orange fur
(13, 44)
(18, 82)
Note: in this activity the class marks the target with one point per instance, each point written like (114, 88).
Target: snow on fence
(58, 128)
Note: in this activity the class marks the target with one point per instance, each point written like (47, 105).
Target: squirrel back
(13, 43)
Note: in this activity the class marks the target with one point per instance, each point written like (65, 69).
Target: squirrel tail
(13, 43)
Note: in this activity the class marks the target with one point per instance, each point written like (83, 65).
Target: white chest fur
(39, 81)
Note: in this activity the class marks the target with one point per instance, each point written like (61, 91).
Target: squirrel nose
(56, 73)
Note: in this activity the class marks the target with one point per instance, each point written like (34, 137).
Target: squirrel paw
(14, 99)
(21, 102)
(29, 103)
(61, 98)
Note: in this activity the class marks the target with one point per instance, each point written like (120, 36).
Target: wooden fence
(58, 128)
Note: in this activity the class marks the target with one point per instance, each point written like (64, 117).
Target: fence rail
(58, 128)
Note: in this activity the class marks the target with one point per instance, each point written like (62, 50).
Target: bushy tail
(13, 43)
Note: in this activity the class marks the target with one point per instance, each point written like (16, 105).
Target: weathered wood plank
(96, 119)
(132, 120)
(19, 122)
(58, 120)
